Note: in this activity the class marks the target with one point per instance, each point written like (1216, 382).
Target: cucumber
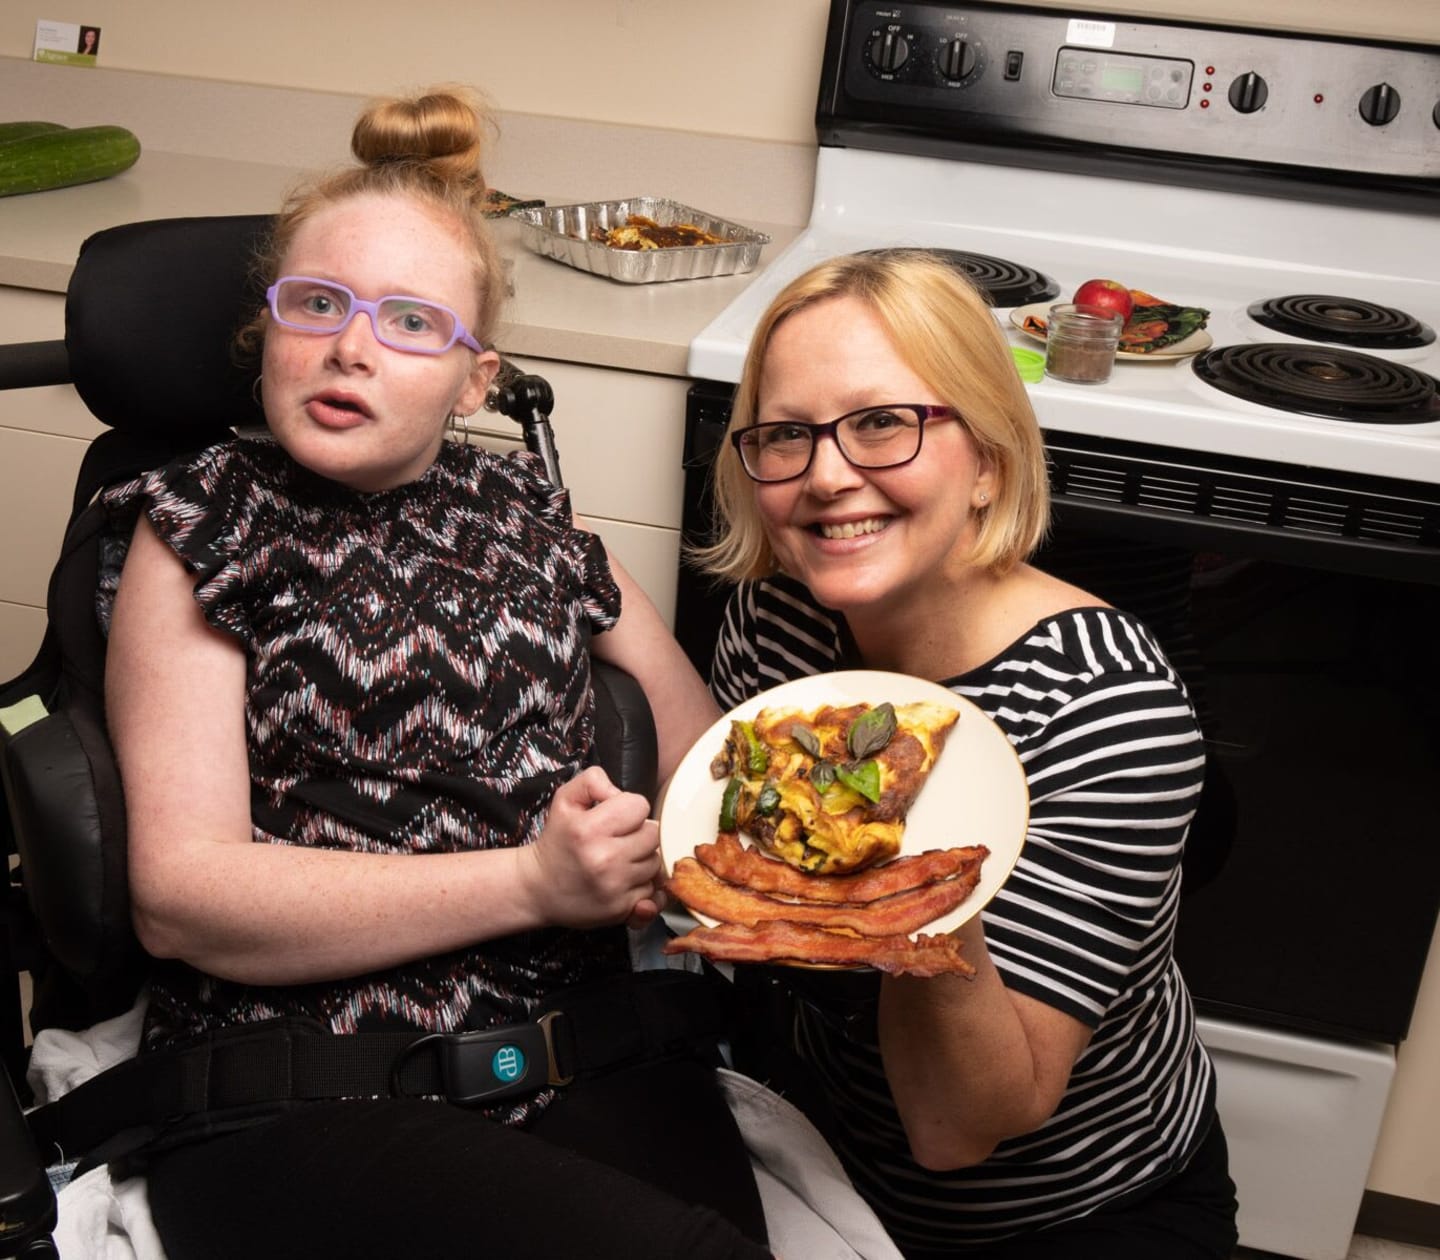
(24, 130)
(71, 155)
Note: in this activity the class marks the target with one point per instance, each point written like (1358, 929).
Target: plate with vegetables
(1154, 330)
(973, 793)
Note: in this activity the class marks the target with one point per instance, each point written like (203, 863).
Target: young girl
(348, 687)
(883, 485)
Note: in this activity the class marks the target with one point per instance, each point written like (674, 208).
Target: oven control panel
(986, 74)
(1087, 75)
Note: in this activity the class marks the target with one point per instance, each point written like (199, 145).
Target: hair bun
(444, 129)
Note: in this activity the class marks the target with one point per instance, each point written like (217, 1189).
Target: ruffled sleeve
(203, 507)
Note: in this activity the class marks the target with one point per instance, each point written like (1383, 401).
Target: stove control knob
(889, 50)
(1248, 93)
(957, 59)
(1379, 104)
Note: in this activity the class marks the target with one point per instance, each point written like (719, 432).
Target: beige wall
(742, 68)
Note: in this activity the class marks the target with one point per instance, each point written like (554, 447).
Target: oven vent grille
(1246, 504)
(1275, 500)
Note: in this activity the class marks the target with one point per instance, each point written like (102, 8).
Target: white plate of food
(975, 793)
(1193, 344)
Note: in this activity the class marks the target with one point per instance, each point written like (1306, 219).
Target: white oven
(1270, 502)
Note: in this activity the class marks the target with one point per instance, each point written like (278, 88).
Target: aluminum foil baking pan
(563, 233)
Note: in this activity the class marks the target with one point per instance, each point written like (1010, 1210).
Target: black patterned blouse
(418, 682)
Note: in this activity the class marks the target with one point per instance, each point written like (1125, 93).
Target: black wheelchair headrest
(150, 315)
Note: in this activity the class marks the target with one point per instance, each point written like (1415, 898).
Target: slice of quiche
(828, 790)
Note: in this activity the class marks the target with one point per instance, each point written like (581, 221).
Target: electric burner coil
(1346, 321)
(1005, 283)
(1322, 381)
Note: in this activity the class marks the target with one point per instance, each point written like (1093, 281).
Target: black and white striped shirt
(1085, 923)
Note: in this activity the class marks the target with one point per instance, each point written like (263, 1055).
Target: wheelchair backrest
(150, 313)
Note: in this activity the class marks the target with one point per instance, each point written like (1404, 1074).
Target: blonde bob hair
(426, 147)
(943, 329)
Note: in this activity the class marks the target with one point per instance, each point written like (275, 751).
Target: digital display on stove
(1129, 79)
(1122, 78)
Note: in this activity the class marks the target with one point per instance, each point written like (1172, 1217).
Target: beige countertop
(41, 232)
(557, 312)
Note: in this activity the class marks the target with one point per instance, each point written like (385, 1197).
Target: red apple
(1108, 295)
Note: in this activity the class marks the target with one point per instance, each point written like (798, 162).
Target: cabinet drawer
(26, 315)
(650, 555)
(21, 629)
(30, 315)
(37, 479)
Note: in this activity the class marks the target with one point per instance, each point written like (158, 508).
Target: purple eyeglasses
(411, 325)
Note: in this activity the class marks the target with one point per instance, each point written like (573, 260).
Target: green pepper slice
(756, 755)
(728, 803)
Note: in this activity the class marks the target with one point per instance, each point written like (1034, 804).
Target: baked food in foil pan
(641, 240)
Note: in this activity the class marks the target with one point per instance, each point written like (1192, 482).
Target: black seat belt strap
(579, 1032)
(286, 1059)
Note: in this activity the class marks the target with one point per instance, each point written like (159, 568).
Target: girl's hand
(597, 862)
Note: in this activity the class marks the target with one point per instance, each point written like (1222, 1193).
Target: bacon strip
(781, 941)
(731, 861)
(699, 890)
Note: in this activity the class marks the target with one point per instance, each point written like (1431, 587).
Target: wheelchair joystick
(528, 400)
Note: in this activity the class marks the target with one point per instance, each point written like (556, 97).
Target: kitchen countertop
(557, 312)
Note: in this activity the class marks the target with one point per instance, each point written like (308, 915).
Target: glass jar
(1080, 343)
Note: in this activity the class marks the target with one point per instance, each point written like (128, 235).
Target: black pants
(644, 1162)
(1189, 1217)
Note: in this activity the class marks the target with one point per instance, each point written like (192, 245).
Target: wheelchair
(65, 914)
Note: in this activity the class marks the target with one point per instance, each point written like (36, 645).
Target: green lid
(1029, 363)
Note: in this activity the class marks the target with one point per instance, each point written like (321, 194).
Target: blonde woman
(881, 491)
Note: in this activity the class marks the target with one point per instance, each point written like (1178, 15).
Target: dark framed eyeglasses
(411, 325)
(873, 437)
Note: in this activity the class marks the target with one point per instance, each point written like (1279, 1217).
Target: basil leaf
(862, 777)
(805, 737)
(871, 731)
(768, 800)
(822, 776)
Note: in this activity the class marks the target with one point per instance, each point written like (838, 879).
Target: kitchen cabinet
(43, 436)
